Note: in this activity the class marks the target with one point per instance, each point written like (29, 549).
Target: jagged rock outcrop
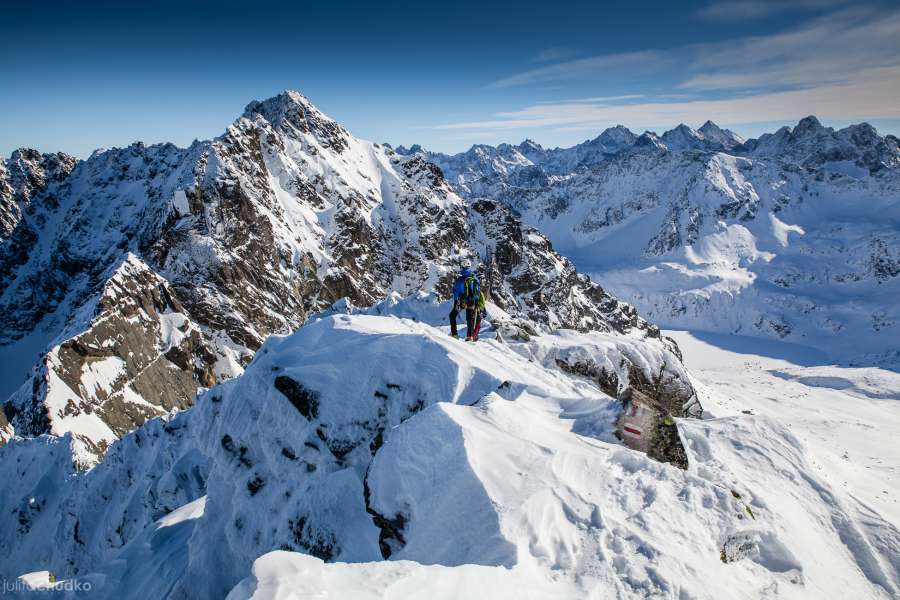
(30, 187)
(6, 430)
(166, 268)
(26, 179)
(139, 357)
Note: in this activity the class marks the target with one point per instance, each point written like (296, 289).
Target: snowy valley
(229, 370)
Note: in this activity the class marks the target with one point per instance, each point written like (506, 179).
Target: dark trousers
(473, 319)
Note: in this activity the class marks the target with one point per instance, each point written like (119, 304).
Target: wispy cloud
(553, 54)
(635, 63)
(603, 99)
(867, 94)
(845, 65)
(828, 49)
(741, 10)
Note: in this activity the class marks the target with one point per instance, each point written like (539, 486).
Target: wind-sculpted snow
(470, 466)
(792, 236)
(143, 273)
(71, 521)
(281, 453)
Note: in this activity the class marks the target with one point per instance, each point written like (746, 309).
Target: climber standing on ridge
(467, 295)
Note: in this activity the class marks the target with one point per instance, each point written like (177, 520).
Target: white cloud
(633, 62)
(828, 49)
(596, 99)
(867, 94)
(843, 66)
(552, 54)
(740, 10)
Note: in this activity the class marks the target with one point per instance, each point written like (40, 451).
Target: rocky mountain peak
(808, 126)
(682, 137)
(281, 106)
(291, 113)
(614, 139)
(863, 134)
(26, 175)
(649, 139)
(415, 148)
(713, 133)
(529, 146)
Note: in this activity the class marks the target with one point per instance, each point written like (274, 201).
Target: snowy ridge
(328, 445)
(792, 236)
(221, 244)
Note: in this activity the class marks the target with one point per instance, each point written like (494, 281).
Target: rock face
(793, 235)
(6, 430)
(27, 181)
(156, 270)
(650, 382)
(140, 356)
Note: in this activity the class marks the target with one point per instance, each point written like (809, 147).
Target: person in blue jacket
(467, 295)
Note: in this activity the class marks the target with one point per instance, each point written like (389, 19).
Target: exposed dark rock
(255, 484)
(304, 400)
(648, 406)
(311, 539)
(390, 538)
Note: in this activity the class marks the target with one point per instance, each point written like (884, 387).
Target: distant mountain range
(794, 235)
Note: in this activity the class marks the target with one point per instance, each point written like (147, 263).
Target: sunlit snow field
(848, 417)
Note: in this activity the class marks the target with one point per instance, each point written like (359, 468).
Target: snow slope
(847, 417)
(790, 236)
(372, 436)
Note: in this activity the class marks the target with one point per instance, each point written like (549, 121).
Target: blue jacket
(459, 288)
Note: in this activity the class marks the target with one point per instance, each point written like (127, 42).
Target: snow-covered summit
(291, 113)
(682, 138)
(614, 139)
(726, 137)
(710, 137)
(24, 177)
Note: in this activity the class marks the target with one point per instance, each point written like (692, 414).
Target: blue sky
(77, 76)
